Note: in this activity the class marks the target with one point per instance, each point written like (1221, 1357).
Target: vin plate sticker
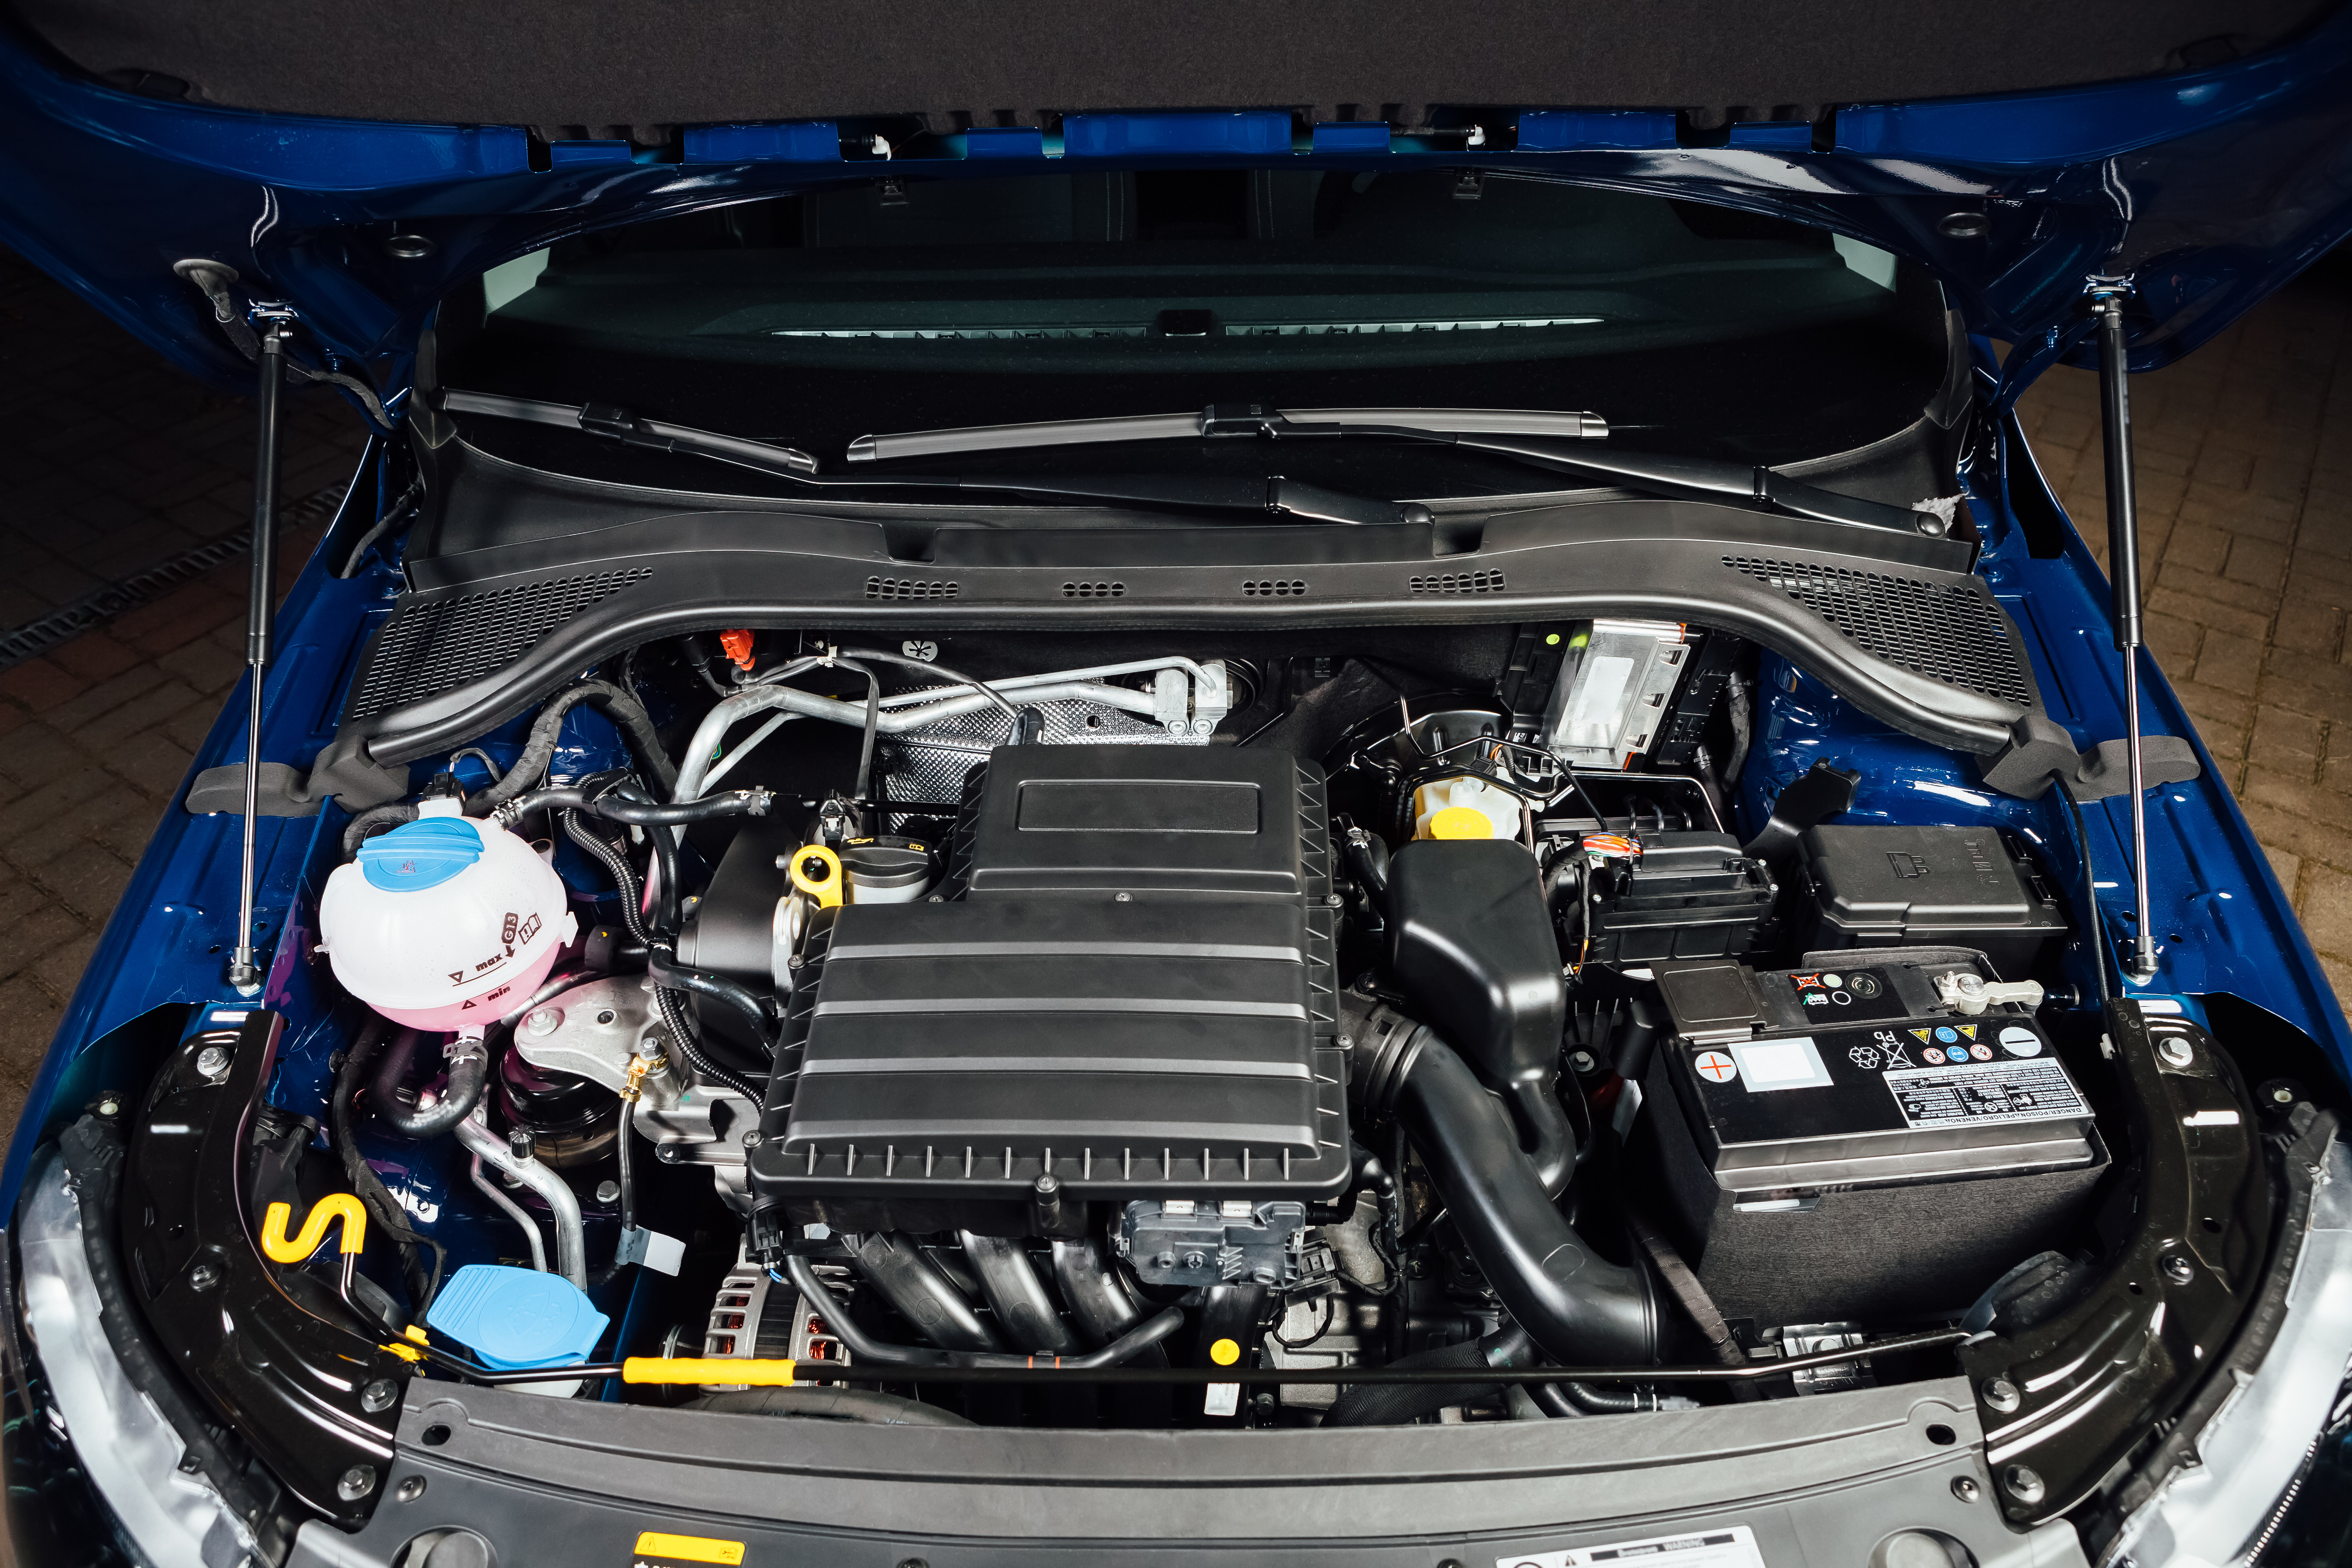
(1732, 1546)
(1985, 1094)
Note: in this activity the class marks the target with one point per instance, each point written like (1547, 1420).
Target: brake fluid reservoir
(446, 922)
(1464, 807)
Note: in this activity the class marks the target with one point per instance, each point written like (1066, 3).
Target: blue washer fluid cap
(517, 1318)
(421, 854)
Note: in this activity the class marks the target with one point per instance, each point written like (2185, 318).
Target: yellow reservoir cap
(1225, 1353)
(1461, 822)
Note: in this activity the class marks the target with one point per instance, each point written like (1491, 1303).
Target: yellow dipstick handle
(707, 1369)
(335, 1205)
(816, 871)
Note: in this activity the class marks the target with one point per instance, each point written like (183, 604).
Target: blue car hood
(292, 141)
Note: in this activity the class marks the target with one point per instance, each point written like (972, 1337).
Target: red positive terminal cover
(737, 646)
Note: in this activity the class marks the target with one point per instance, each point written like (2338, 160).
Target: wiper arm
(1525, 436)
(1221, 419)
(1270, 493)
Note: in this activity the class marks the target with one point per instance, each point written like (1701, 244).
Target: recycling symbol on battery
(1862, 1057)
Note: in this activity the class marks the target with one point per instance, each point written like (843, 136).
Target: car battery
(1684, 894)
(1834, 1143)
(1881, 886)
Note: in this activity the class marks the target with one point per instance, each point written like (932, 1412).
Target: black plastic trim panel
(1691, 561)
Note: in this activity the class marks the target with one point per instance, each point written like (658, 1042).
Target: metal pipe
(515, 1211)
(260, 606)
(571, 1239)
(2122, 574)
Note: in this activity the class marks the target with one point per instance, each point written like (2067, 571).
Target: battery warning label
(1983, 1094)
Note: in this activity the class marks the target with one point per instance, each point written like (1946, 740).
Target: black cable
(617, 866)
(627, 1184)
(2091, 898)
(672, 1007)
(939, 670)
(390, 1217)
(670, 974)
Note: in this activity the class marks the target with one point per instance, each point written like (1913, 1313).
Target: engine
(1159, 1013)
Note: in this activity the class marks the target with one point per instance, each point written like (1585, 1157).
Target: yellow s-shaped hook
(334, 1207)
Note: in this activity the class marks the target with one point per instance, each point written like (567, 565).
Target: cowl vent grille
(444, 644)
(1274, 588)
(1486, 581)
(1094, 590)
(911, 588)
(1950, 632)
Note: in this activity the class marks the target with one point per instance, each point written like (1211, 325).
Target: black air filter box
(1909, 887)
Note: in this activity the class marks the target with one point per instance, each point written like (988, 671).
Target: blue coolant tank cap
(517, 1318)
(421, 854)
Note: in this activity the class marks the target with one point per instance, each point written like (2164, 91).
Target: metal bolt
(1963, 226)
(2002, 1395)
(356, 1483)
(753, 1139)
(1122, 898)
(665, 1152)
(2176, 1051)
(1195, 1259)
(410, 1490)
(547, 1020)
(519, 1144)
(204, 1276)
(211, 1063)
(408, 246)
(1580, 1061)
(1965, 1488)
(2023, 1483)
(1335, 901)
(2281, 1094)
(2176, 1268)
(379, 1396)
(608, 1191)
(1969, 984)
(110, 1106)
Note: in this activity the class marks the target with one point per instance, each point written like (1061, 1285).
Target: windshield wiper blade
(1222, 419)
(620, 425)
(1525, 436)
(1270, 493)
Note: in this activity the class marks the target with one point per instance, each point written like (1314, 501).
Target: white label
(1730, 1546)
(1593, 721)
(1795, 1063)
(1986, 1094)
(1223, 1399)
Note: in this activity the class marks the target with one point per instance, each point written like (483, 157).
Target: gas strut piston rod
(2123, 574)
(244, 973)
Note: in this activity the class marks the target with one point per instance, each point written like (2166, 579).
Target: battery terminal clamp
(1970, 995)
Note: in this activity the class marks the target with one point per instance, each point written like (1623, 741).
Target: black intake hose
(1580, 1307)
(470, 1071)
(1393, 1404)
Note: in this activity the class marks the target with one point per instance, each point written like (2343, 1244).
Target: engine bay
(1494, 999)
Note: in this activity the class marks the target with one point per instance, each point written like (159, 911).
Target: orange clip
(737, 646)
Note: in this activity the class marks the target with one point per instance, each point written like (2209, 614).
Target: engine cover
(1134, 994)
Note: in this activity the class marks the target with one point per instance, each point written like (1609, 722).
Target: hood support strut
(2122, 574)
(261, 598)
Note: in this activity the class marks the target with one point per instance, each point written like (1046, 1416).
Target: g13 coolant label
(1727, 1546)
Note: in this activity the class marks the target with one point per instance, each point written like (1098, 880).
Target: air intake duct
(1581, 1308)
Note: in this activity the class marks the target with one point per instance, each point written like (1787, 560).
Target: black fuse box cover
(1885, 885)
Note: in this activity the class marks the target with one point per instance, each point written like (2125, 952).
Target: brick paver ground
(2245, 471)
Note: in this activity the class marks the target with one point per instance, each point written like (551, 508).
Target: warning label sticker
(1730, 1546)
(1985, 1093)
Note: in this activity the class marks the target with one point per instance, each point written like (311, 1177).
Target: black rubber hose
(538, 750)
(469, 1073)
(717, 988)
(1595, 1401)
(829, 1403)
(1393, 1404)
(390, 1217)
(1580, 1307)
(672, 1007)
(368, 823)
(626, 1182)
(623, 877)
(866, 1347)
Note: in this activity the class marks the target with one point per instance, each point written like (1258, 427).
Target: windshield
(910, 304)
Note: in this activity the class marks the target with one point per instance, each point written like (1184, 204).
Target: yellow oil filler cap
(816, 871)
(1461, 822)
